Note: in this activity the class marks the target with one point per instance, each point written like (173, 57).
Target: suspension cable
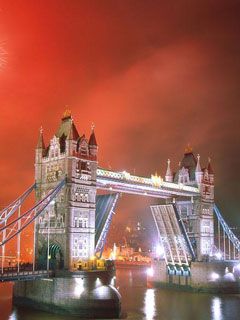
(49, 198)
(15, 204)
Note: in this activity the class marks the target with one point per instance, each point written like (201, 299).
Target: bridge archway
(56, 260)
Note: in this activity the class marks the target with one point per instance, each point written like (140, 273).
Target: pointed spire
(40, 144)
(92, 139)
(70, 133)
(169, 174)
(210, 170)
(198, 167)
(169, 171)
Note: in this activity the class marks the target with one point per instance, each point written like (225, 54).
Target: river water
(142, 302)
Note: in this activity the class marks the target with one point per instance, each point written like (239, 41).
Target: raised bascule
(71, 222)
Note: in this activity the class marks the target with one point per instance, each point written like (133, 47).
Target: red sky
(152, 76)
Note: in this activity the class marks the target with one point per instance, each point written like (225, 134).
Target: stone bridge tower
(197, 213)
(65, 232)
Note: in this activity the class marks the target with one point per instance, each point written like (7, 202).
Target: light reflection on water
(216, 309)
(141, 302)
(149, 304)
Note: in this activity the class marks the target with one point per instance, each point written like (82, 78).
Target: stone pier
(86, 295)
(212, 276)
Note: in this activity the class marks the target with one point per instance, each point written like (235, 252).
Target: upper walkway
(151, 187)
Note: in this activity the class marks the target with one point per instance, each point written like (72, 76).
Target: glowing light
(237, 267)
(156, 180)
(229, 277)
(150, 272)
(159, 250)
(214, 276)
(13, 316)
(79, 288)
(218, 255)
(126, 175)
(216, 309)
(113, 281)
(92, 258)
(114, 252)
(149, 304)
(102, 292)
(98, 282)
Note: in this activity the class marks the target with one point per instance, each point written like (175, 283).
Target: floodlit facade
(197, 213)
(65, 233)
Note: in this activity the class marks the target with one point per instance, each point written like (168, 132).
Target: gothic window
(84, 165)
(190, 227)
(79, 248)
(82, 222)
(184, 211)
(75, 223)
(75, 247)
(206, 226)
(205, 247)
(62, 143)
(206, 190)
(83, 149)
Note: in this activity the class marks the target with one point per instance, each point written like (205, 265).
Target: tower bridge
(71, 220)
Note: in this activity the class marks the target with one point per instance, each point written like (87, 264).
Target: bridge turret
(39, 153)
(71, 140)
(197, 213)
(93, 147)
(210, 171)
(169, 174)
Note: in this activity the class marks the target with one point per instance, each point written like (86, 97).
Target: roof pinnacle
(92, 139)
(198, 166)
(40, 144)
(169, 171)
(210, 170)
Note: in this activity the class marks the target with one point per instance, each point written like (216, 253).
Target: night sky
(152, 75)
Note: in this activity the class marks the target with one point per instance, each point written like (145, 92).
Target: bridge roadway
(151, 187)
